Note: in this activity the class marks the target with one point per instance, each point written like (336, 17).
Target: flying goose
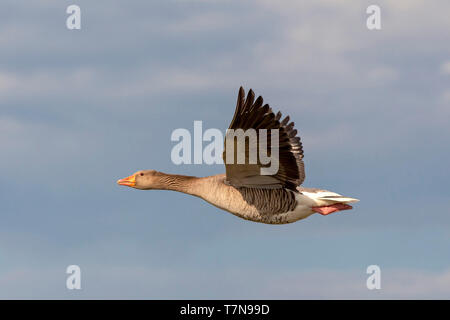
(245, 192)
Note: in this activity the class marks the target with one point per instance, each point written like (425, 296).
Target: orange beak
(128, 181)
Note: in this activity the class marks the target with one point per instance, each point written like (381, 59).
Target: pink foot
(324, 210)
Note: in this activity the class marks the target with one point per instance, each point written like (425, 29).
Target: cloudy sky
(81, 108)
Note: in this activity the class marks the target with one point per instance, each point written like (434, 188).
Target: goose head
(144, 180)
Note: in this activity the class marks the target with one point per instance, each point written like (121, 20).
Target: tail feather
(339, 199)
(324, 197)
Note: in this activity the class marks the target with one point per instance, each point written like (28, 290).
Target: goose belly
(301, 211)
(230, 199)
(239, 207)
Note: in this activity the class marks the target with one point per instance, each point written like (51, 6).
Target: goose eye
(141, 174)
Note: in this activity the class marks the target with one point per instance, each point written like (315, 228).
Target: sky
(80, 109)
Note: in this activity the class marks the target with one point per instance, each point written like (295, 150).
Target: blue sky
(80, 109)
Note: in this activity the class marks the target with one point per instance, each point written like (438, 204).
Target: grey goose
(277, 198)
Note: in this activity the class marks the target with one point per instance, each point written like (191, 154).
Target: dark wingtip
(241, 92)
(250, 98)
(285, 121)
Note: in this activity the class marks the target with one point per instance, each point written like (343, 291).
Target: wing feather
(254, 114)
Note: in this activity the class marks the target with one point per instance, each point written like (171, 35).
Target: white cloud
(443, 109)
(8, 82)
(46, 83)
(382, 75)
(203, 23)
(445, 68)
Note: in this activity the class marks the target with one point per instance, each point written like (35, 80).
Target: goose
(243, 190)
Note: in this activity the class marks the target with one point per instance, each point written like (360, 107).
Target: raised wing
(251, 114)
